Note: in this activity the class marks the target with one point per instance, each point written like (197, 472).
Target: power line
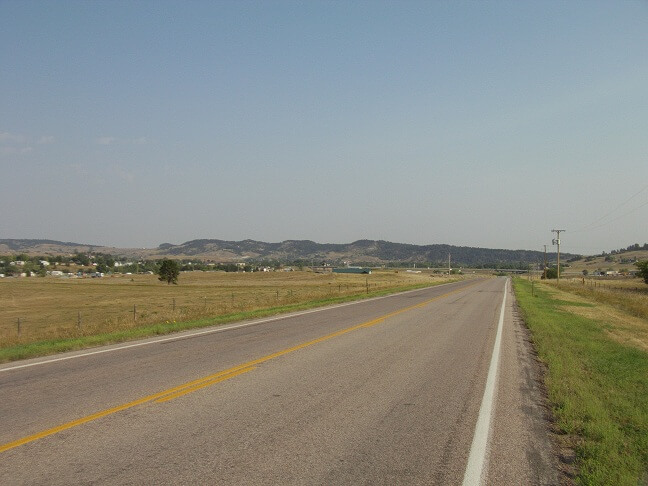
(619, 217)
(544, 273)
(557, 242)
(592, 226)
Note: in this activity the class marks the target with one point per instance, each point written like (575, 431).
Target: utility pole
(557, 243)
(545, 263)
(448, 264)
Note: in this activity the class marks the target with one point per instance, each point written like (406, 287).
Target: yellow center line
(199, 383)
(203, 385)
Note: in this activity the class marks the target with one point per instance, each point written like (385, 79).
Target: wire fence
(618, 284)
(89, 318)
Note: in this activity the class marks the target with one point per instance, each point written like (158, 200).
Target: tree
(169, 271)
(643, 270)
(80, 259)
(552, 273)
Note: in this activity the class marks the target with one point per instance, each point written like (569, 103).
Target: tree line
(39, 265)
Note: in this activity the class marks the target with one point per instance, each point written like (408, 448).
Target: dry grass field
(52, 308)
(623, 303)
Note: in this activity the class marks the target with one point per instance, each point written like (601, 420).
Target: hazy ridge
(366, 251)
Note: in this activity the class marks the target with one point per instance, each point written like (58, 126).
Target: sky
(483, 124)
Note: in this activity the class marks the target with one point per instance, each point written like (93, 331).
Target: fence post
(79, 320)
(19, 326)
(134, 313)
(174, 304)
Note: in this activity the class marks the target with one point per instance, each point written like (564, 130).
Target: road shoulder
(522, 447)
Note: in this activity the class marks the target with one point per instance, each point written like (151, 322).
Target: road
(385, 391)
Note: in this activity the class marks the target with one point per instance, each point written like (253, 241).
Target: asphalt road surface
(434, 386)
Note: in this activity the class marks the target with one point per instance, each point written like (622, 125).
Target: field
(37, 309)
(594, 342)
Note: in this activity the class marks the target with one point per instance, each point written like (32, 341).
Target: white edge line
(479, 448)
(190, 334)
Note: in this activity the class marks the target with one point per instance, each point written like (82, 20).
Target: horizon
(473, 124)
(549, 251)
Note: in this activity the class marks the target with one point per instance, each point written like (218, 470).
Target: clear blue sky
(469, 123)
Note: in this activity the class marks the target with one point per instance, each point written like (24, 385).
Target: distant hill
(54, 248)
(26, 245)
(621, 261)
(366, 251)
(361, 251)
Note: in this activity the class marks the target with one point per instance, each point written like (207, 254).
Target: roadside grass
(597, 387)
(69, 339)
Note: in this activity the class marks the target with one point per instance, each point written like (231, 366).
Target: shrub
(643, 270)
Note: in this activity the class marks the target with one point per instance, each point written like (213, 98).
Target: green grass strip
(598, 389)
(48, 347)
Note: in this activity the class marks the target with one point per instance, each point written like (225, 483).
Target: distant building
(361, 270)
